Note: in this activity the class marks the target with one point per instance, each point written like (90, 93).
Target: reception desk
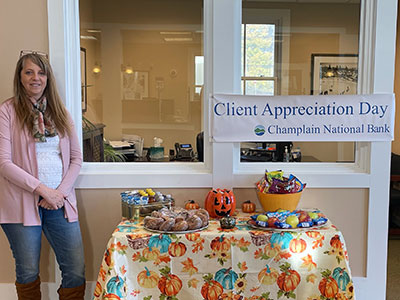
(239, 263)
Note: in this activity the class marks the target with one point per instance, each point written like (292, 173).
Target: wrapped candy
(275, 183)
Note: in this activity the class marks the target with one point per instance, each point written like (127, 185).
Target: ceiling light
(88, 37)
(175, 32)
(178, 39)
(93, 30)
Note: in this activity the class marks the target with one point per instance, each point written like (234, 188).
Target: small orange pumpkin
(248, 207)
(170, 285)
(148, 279)
(191, 204)
(335, 242)
(288, 280)
(177, 249)
(151, 253)
(211, 290)
(220, 203)
(111, 297)
(297, 245)
(220, 244)
(313, 234)
(192, 237)
(98, 290)
(328, 287)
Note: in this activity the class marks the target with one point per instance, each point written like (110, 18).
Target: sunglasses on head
(25, 52)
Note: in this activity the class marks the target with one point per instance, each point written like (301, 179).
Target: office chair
(200, 146)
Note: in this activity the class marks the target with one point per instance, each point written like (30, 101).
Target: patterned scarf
(42, 125)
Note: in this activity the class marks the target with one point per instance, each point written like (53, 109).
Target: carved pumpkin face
(220, 203)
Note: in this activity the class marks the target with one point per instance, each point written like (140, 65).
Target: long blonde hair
(55, 107)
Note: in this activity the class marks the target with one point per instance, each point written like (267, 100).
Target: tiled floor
(393, 270)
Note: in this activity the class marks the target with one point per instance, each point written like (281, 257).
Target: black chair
(200, 146)
(394, 195)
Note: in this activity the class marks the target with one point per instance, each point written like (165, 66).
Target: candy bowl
(271, 202)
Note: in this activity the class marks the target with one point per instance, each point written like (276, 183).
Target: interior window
(144, 76)
(285, 52)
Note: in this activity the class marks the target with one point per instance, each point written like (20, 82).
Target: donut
(194, 222)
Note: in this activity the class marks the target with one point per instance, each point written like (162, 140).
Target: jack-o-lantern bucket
(220, 203)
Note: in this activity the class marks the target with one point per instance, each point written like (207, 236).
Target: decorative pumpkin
(313, 234)
(161, 242)
(151, 253)
(211, 289)
(297, 245)
(192, 237)
(191, 204)
(227, 222)
(268, 275)
(220, 244)
(335, 242)
(227, 278)
(115, 286)
(170, 285)
(328, 287)
(148, 279)
(283, 239)
(289, 279)
(108, 258)
(177, 249)
(111, 297)
(220, 202)
(98, 290)
(342, 278)
(248, 207)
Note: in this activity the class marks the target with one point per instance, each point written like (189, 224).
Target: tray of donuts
(176, 220)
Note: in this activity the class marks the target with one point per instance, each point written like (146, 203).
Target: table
(241, 264)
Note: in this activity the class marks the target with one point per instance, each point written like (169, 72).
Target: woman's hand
(52, 199)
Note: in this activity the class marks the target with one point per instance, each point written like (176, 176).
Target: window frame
(64, 56)
(277, 64)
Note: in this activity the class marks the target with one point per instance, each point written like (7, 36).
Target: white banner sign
(237, 118)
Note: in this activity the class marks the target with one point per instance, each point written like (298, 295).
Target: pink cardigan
(19, 171)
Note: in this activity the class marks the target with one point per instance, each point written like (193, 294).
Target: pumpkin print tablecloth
(240, 263)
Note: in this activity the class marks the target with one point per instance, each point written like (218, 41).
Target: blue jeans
(65, 239)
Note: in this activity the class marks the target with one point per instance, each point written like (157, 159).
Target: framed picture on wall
(83, 80)
(135, 85)
(334, 74)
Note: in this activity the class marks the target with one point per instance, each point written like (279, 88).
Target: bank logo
(259, 130)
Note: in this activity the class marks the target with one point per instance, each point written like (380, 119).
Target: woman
(40, 159)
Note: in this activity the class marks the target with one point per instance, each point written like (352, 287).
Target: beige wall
(23, 25)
